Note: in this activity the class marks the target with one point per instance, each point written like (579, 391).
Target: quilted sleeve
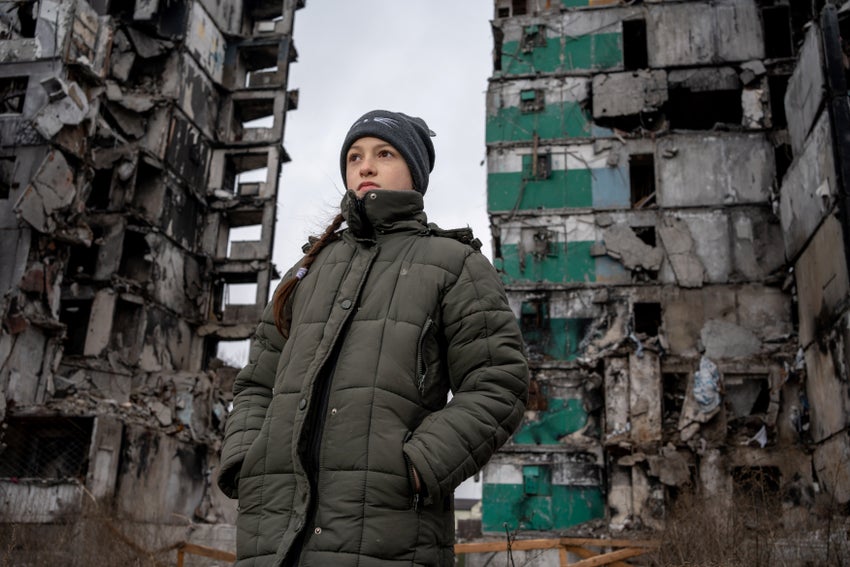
(252, 394)
(489, 377)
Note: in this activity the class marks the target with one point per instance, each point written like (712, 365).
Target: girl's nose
(366, 167)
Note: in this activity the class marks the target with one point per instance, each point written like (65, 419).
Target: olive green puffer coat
(387, 321)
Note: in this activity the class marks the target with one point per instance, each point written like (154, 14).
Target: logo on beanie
(388, 122)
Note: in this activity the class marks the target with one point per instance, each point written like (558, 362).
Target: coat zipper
(421, 366)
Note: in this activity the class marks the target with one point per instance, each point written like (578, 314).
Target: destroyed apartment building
(140, 150)
(667, 190)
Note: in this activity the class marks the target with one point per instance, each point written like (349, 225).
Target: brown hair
(285, 290)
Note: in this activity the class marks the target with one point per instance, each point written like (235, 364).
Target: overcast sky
(427, 58)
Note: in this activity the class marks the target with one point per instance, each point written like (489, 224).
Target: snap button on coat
(346, 304)
(302, 404)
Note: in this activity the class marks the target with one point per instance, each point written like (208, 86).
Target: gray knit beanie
(408, 134)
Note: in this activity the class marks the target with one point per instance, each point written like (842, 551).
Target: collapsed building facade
(667, 190)
(140, 150)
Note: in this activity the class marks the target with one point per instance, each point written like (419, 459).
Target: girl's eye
(353, 157)
(385, 153)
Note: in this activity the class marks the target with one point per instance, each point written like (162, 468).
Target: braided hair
(285, 290)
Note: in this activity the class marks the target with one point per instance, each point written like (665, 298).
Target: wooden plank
(204, 551)
(587, 554)
(584, 542)
(609, 558)
(519, 545)
(562, 555)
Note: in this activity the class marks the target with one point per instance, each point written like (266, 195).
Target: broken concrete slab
(681, 252)
(51, 190)
(622, 243)
(69, 108)
(630, 93)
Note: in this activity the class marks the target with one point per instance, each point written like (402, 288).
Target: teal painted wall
(562, 417)
(588, 52)
(564, 120)
(556, 339)
(572, 188)
(575, 264)
(564, 507)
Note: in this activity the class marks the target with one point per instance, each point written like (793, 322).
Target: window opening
(83, 259)
(101, 190)
(136, 260)
(746, 394)
(675, 388)
(7, 176)
(783, 158)
(260, 64)
(647, 318)
(75, 314)
(635, 52)
(531, 100)
(252, 114)
(17, 19)
(233, 353)
(519, 7)
(243, 173)
(533, 36)
(45, 448)
(777, 31)
(251, 233)
(777, 85)
(715, 107)
(642, 180)
(126, 330)
(13, 91)
(239, 294)
(536, 168)
(543, 248)
(503, 13)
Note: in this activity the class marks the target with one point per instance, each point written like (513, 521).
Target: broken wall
(634, 154)
(131, 142)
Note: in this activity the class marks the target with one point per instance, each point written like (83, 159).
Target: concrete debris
(622, 243)
(670, 466)
(681, 253)
(67, 107)
(752, 70)
(624, 94)
(51, 191)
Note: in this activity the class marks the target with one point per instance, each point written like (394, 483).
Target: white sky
(427, 58)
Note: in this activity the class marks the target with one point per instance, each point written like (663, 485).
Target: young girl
(341, 447)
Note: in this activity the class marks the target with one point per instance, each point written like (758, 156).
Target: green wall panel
(564, 189)
(563, 416)
(565, 120)
(559, 339)
(570, 266)
(566, 507)
(586, 52)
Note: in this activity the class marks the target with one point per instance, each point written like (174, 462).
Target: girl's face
(372, 163)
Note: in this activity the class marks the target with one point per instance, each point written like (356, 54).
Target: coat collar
(383, 211)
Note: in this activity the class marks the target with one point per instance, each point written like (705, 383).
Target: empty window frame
(7, 176)
(777, 31)
(17, 19)
(136, 261)
(260, 65)
(533, 36)
(642, 180)
(101, 190)
(252, 113)
(531, 100)
(536, 167)
(83, 259)
(45, 448)
(75, 315)
(243, 173)
(13, 91)
(127, 335)
(635, 54)
(519, 7)
(715, 107)
(647, 318)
